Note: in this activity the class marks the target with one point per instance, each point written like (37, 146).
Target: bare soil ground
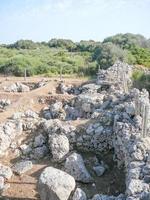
(30, 100)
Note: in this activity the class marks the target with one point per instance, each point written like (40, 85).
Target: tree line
(82, 58)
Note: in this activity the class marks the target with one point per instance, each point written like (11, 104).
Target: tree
(62, 43)
(89, 46)
(23, 44)
(108, 53)
(128, 40)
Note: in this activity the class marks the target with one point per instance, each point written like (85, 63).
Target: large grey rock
(22, 167)
(74, 165)
(55, 184)
(79, 195)
(59, 146)
(5, 171)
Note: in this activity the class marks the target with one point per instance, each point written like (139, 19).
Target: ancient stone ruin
(97, 143)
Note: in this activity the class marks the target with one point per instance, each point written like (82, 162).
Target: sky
(41, 20)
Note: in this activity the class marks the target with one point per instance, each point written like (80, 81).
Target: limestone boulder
(75, 166)
(59, 146)
(55, 184)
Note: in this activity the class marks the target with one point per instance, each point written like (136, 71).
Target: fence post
(25, 74)
(60, 73)
(145, 119)
(137, 105)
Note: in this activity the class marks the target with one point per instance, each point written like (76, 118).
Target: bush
(107, 54)
(141, 80)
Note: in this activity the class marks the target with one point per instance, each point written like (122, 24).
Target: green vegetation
(44, 60)
(82, 58)
(141, 80)
(133, 49)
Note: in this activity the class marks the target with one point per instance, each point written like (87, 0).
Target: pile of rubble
(117, 123)
(17, 87)
(25, 87)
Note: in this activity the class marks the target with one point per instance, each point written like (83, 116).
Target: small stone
(86, 107)
(99, 170)
(22, 167)
(134, 173)
(99, 130)
(130, 109)
(39, 141)
(146, 170)
(93, 185)
(79, 195)
(137, 156)
(26, 149)
(147, 179)
(39, 152)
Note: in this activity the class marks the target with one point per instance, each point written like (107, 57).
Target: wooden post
(99, 68)
(118, 78)
(124, 79)
(60, 73)
(145, 120)
(25, 74)
(137, 105)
